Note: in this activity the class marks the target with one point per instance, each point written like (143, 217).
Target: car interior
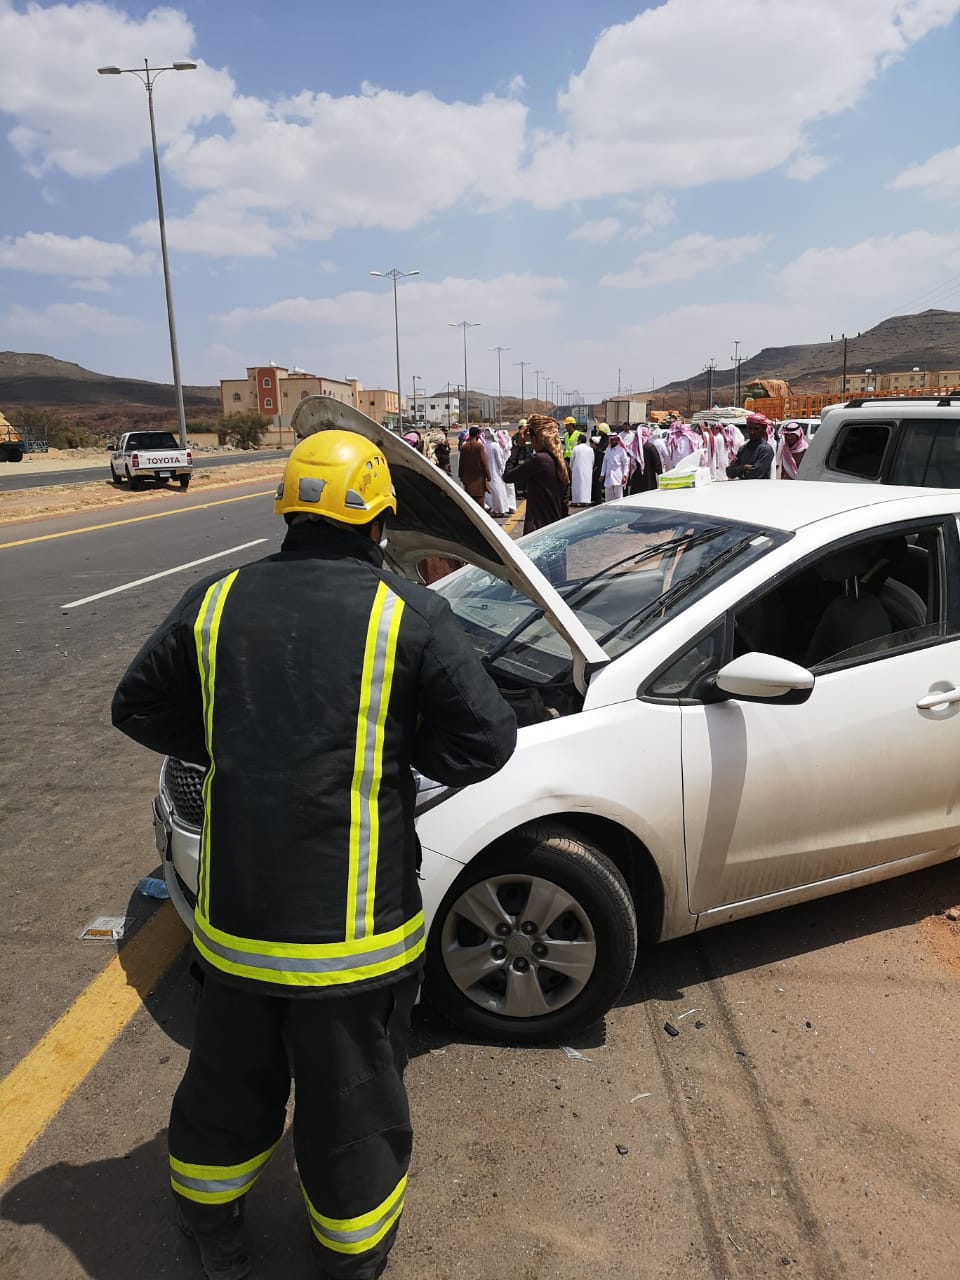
(862, 599)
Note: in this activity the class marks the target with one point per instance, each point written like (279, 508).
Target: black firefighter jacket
(310, 682)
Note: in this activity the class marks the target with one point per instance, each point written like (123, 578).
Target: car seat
(855, 616)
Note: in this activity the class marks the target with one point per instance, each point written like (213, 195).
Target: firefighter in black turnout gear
(309, 683)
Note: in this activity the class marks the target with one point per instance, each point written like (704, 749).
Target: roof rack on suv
(860, 401)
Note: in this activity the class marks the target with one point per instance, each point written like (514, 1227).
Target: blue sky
(609, 190)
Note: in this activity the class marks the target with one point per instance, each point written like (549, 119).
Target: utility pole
(618, 382)
(843, 385)
(709, 370)
(523, 365)
(736, 371)
(448, 408)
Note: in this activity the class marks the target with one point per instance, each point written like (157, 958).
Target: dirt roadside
(65, 499)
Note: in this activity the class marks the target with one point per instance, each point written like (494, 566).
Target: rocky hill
(39, 381)
(930, 340)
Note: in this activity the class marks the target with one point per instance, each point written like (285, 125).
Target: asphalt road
(11, 479)
(803, 1123)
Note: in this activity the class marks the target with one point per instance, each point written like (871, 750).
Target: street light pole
(147, 78)
(395, 274)
(499, 350)
(465, 325)
(709, 369)
(537, 373)
(523, 365)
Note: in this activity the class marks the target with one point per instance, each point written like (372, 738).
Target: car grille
(182, 783)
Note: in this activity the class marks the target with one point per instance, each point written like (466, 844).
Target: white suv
(888, 441)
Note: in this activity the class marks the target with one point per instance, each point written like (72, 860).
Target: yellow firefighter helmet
(339, 475)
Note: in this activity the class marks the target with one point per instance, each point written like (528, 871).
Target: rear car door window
(929, 454)
(859, 449)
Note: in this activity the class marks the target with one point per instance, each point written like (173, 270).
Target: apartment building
(274, 392)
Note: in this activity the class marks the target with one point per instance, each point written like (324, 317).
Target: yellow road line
(156, 515)
(39, 1085)
(508, 526)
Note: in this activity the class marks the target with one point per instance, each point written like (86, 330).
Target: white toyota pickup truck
(139, 456)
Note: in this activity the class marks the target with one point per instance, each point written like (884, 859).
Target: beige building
(379, 404)
(902, 381)
(275, 392)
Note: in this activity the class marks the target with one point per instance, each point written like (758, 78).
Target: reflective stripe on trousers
(357, 1235)
(216, 1183)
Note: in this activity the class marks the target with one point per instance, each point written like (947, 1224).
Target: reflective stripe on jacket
(311, 682)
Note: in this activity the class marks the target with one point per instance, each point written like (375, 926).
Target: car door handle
(938, 699)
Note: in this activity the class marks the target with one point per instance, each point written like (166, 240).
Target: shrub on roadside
(244, 430)
(47, 424)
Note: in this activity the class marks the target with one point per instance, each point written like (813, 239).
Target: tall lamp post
(395, 274)
(499, 351)
(147, 78)
(536, 374)
(465, 325)
(524, 364)
(416, 379)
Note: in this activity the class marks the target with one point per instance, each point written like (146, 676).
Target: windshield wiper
(679, 591)
(570, 593)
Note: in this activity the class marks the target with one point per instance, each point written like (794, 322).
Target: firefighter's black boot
(217, 1231)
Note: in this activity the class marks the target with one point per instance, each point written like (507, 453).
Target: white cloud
(46, 253)
(62, 320)
(90, 286)
(598, 231)
(887, 271)
(268, 175)
(71, 119)
(807, 60)
(654, 212)
(938, 176)
(805, 165)
(684, 259)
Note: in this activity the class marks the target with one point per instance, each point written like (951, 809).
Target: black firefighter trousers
(351, 1124)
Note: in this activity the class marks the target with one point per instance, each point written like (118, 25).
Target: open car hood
(435, 517)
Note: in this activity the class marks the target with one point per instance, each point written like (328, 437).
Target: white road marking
(128, 586)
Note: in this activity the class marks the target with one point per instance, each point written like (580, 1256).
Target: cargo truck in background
(150, 456)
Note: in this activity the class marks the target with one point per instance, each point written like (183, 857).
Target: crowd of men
(593, 464)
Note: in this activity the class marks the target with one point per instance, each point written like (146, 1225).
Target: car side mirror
(763, 677)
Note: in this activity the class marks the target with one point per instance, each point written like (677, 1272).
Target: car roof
(786, 505)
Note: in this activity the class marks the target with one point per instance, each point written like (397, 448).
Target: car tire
(135, 481)
(11, 451)
(114, 478)
(496, 985)
(184, 482)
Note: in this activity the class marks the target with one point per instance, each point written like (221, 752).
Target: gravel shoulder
(65, 499)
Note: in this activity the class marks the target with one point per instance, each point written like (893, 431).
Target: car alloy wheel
(537, 938)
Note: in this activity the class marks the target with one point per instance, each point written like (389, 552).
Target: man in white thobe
(496, 497)
(615, 469)
(581, 474)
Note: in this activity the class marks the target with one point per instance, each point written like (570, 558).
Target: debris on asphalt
(687, 1014)
(153, 887)
(575, 1053)
(734, 1243)
(637, 1096)
(105, 929)
(699, 1025)
(438, 1051)
(670, 1029)
(952, 913)
(808, 1025)
(622, 1150)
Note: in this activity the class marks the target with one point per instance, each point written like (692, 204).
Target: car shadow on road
(115, 1216)
(665, 971)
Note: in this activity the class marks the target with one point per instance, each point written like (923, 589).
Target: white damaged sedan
(731, 699)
